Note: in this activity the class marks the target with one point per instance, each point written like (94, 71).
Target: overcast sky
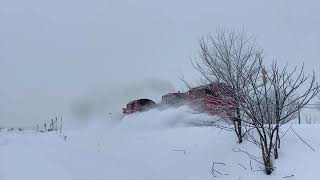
(56, 53)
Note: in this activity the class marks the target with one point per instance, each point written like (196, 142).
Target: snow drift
(157, 144)
(165, 118)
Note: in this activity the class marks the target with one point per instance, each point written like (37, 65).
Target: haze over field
(55, 54)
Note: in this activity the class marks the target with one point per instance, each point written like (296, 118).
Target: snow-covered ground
(154, 145)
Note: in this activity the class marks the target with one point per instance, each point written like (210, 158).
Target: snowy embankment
(154, 145)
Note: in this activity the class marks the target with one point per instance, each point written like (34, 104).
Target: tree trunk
(276, 156)
(239, 131)
(277, 143)
(267, 161)
(239, 126)
(268, 166)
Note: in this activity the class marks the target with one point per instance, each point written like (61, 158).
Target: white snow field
(154, 145)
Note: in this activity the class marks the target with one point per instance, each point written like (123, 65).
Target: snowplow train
(213, 98)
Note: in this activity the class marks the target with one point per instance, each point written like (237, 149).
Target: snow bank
(153, 145)
(166, 118)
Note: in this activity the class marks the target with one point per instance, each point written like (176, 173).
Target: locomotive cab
(138, 105)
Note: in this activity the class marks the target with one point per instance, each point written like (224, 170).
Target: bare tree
(265, 99)
(272, 101)
(230, 57)
(293, 90)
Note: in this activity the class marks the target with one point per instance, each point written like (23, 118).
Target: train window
(144, 102)
(208, 91)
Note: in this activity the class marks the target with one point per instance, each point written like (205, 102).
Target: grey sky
(53, 53)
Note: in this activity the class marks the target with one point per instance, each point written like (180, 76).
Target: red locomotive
(138, 105)
(174, 99)
(213, 98)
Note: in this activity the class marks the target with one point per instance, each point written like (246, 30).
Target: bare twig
(213, 170)
(288, 176)
(242, 166)
(180, 150)
(248, 154)
(220, 163)
(303, 140)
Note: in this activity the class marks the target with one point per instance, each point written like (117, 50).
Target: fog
(57, 54)
(111, 99)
